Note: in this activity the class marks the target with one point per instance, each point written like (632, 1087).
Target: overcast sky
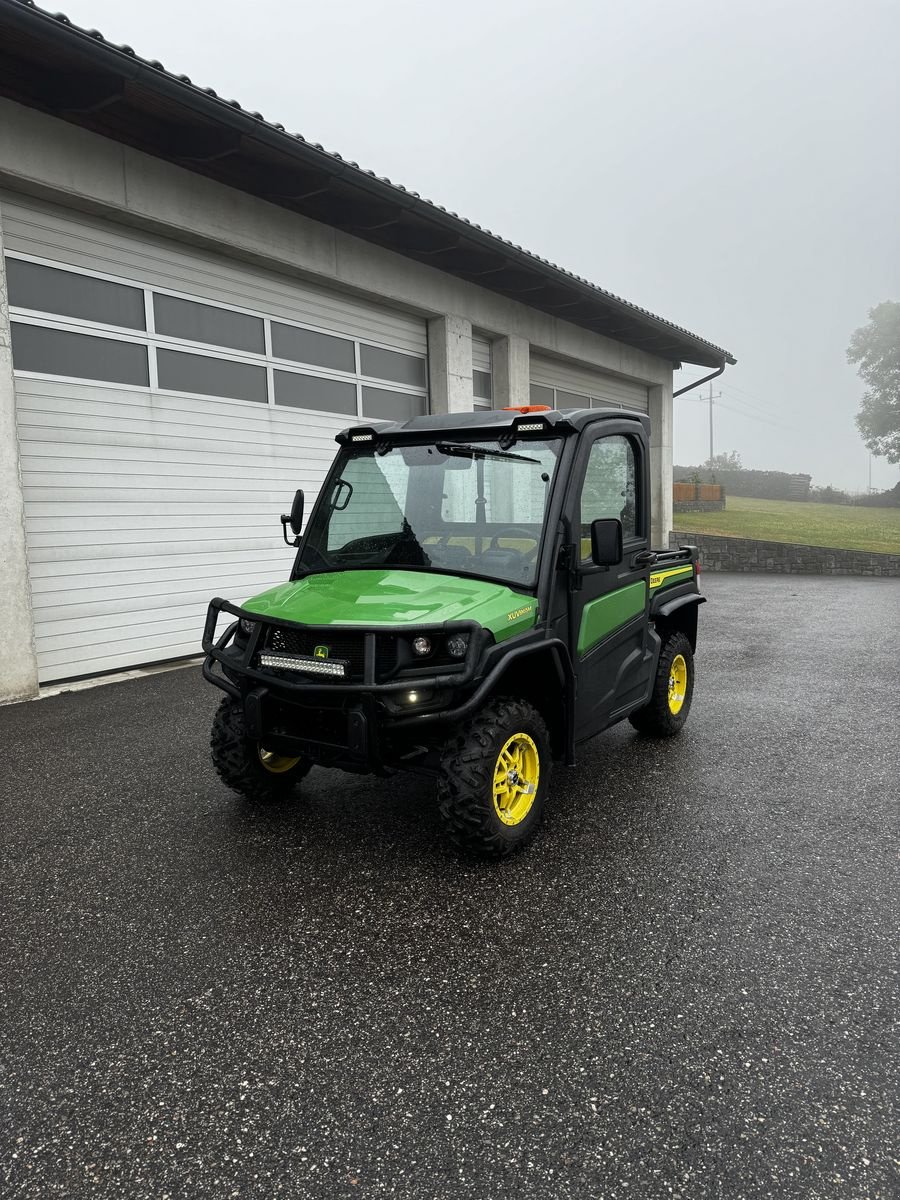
(734, 167)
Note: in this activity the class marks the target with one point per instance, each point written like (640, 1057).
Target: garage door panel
(166, 472)
(135, 568)
(141, 504)
(152, 539)
(114, 656)
(141, 498)
(598, 386)
(100, 625)
(134, 449)
(128, 608)
(211, 435)
(46, 517)
(99, 544)
(142, 635)
(182, 413)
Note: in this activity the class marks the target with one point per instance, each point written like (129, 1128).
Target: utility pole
(710, 425)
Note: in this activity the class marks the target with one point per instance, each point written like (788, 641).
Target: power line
(751, 398)
(758, 417)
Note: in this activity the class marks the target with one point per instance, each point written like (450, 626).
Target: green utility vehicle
(474, 597)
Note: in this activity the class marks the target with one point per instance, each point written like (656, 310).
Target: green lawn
(835, 525)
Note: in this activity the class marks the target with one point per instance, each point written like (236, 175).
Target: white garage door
(161, 435)
(566, 385)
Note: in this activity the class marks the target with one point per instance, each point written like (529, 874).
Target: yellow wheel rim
(677, 684)
(275, 764)
(517, 773)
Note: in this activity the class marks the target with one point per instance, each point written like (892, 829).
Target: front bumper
(359, 724)
(244, 661)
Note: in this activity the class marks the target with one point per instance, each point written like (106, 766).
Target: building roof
(50, 64)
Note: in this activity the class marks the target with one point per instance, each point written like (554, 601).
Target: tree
(730, 460)
(876, 349)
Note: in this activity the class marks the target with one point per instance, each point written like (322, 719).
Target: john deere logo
(320, 652)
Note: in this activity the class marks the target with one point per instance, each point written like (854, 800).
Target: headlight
(247, 626)
(422, 646)
(457, 645)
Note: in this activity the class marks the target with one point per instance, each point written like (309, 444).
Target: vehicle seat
(444, 555)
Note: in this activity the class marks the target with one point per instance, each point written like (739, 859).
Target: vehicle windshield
(472, 508)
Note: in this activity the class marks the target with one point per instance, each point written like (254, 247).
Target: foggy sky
(734, 167)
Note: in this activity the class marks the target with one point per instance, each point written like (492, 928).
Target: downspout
(706, 378)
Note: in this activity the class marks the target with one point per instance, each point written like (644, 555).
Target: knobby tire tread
(655, 718)
(465, 784)
(235, 759)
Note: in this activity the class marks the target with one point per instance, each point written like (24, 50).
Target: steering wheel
(517, 531)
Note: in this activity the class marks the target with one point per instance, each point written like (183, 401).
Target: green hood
(399, 598)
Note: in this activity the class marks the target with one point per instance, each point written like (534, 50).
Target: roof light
(530, 427)
(362, 437)
(527, 408)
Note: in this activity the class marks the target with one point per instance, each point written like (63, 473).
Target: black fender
(491, 682)
(678, 612)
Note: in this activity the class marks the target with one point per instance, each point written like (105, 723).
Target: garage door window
(387, 364)
(310, 391)
(316, 349)
(183, 345)
(193, 322)
(207, 376)
(383, 405)
(558, 398)
(78, 355)
(45, 289)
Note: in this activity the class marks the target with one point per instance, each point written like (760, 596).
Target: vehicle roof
(498, 420)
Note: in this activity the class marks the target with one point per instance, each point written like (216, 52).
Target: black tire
(238, 760)
(467, 775)
(657, 718)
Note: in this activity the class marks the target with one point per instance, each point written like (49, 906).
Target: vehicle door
(611, 652)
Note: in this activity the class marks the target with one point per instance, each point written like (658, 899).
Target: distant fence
(698, 497)
(785, 558)
(763, 485)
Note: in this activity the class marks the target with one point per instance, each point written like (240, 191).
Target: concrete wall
(785, 558)
(18, 665)
(661, 420)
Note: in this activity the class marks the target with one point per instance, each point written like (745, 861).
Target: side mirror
(295, 519)
(606, 541)
(297, 512)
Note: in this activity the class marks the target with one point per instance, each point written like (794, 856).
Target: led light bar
(529, 426)
(362, 437)
(308, 666)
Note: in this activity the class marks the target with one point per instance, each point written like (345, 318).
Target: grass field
(836, 525)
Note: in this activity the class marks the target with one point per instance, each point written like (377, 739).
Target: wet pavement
(687, 987)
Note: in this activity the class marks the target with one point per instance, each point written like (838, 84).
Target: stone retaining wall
(784, 558)
(698, 506)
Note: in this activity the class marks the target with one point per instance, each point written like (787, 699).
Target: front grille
(385, 656)
(349, 647)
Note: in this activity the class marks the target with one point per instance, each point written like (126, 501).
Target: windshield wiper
(462, 451)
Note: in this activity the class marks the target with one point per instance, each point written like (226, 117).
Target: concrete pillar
(511, 371)
(18, 669)
(661, 465)
(450, 364)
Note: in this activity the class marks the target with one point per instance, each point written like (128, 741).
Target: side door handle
(644, 558)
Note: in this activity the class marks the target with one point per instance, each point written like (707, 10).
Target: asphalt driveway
(686, 988)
